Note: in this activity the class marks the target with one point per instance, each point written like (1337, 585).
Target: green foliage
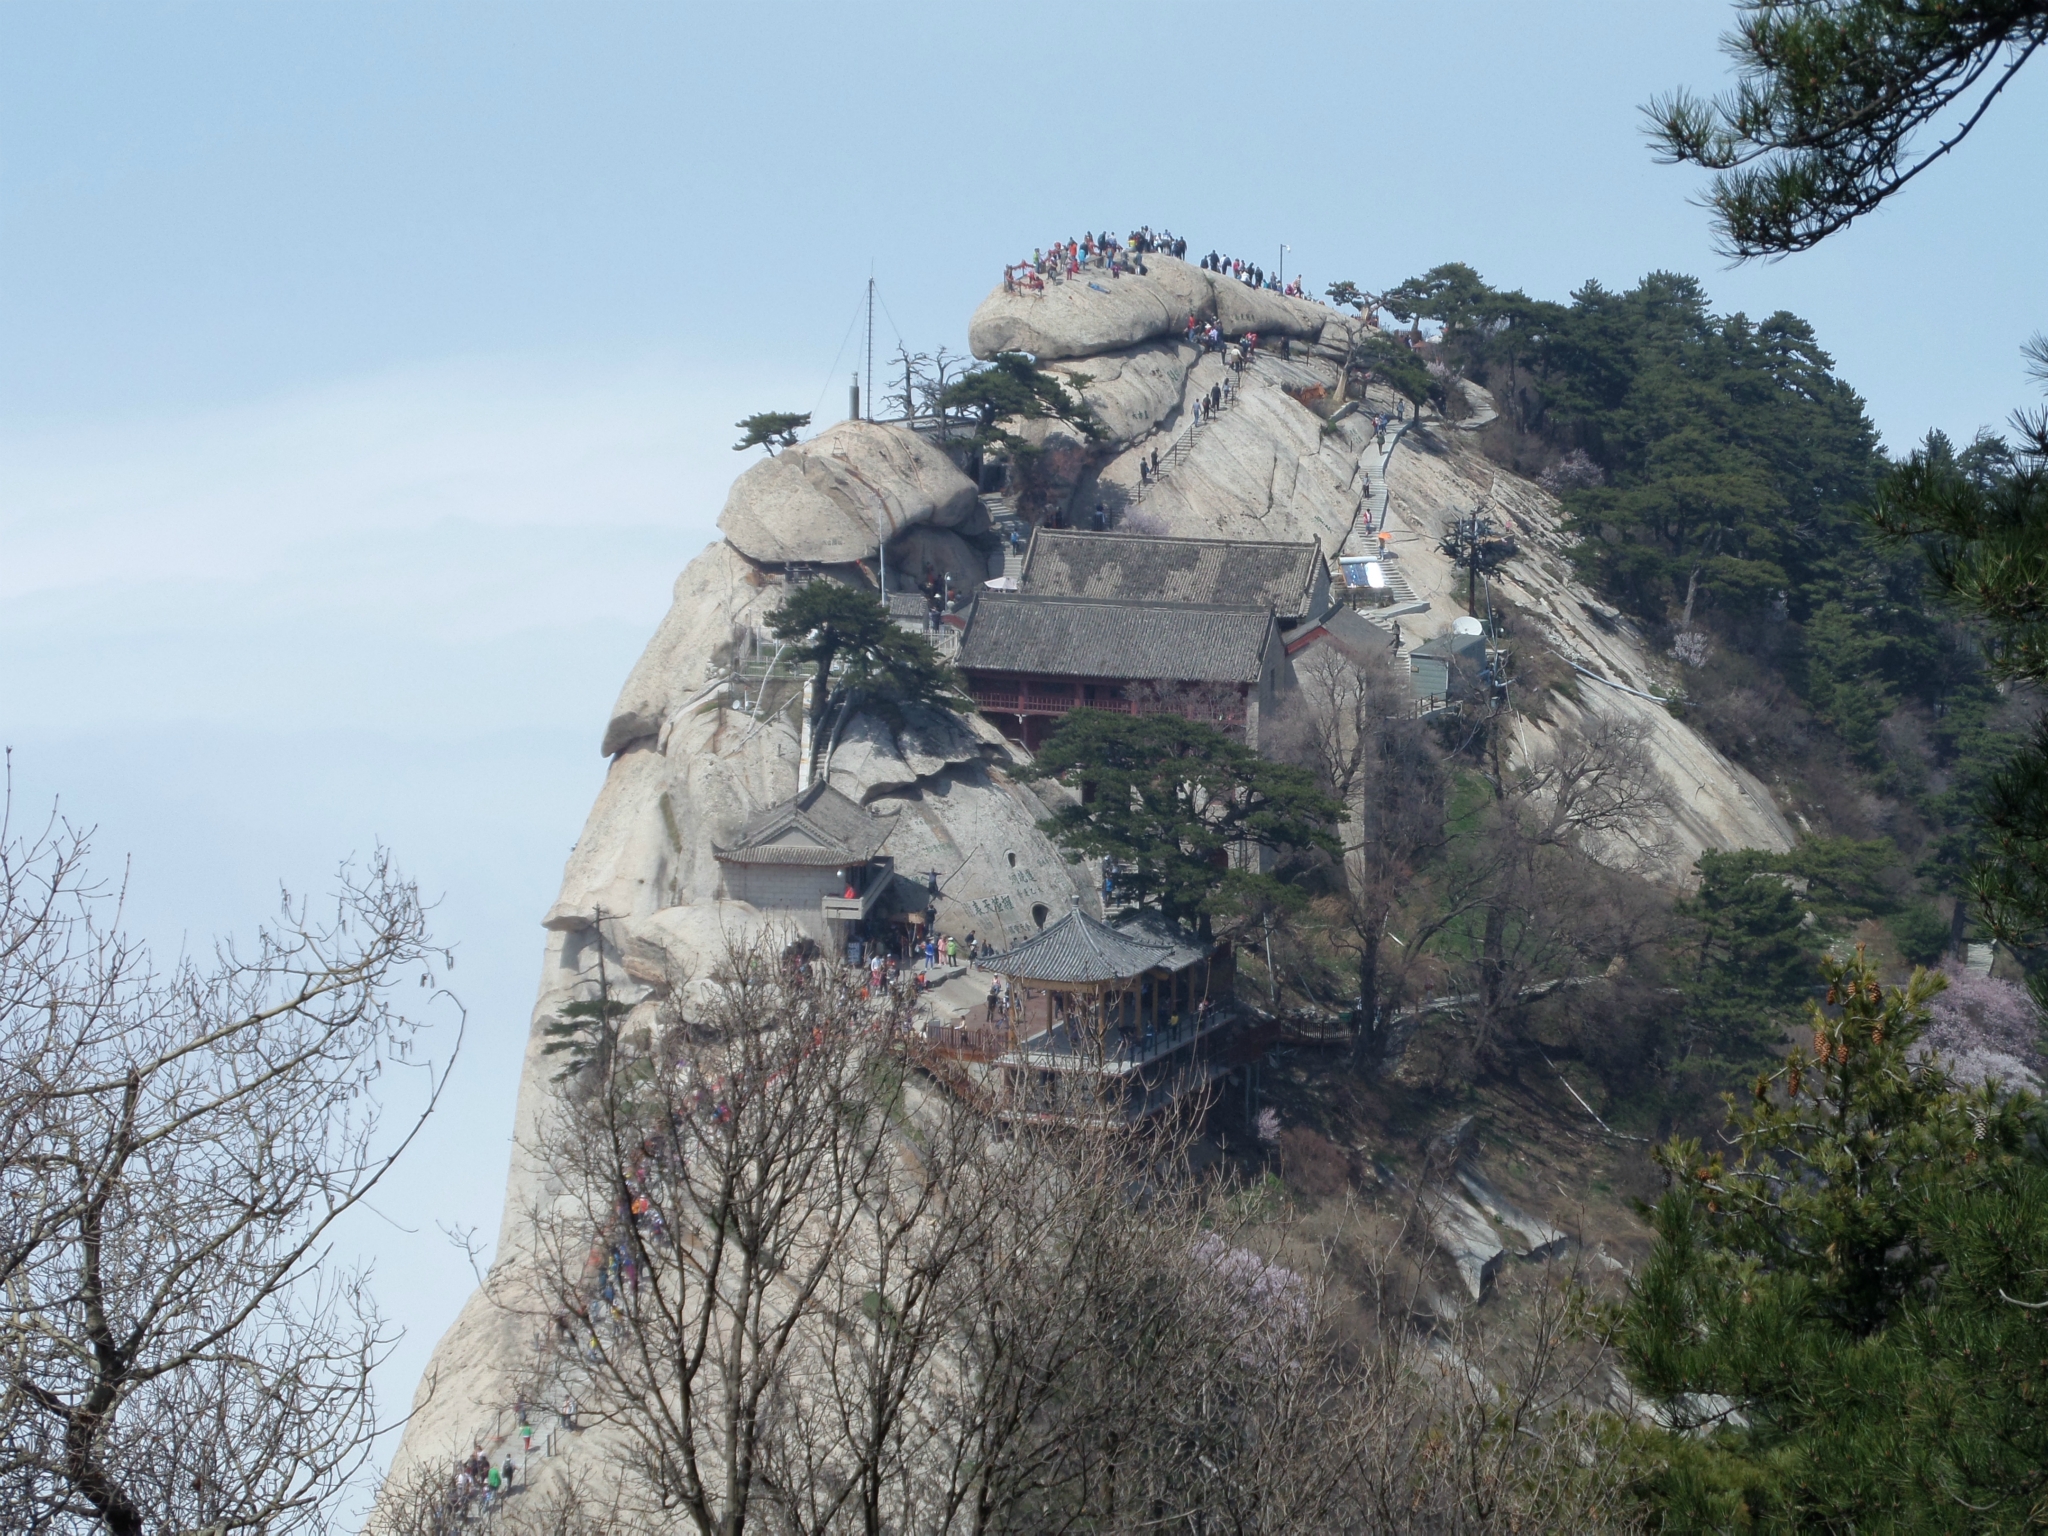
(1483, 327)
(899, 670)
(1749, 958)
(771, 430)
(1013, 386)
(1735, 458)
(584, 1033)
(1736, 462)
(1982, 520)
(822, 618)
(1738, 474)
(1347, 292)
(1452, 294)
(1837, 1305)
(1820, 128)
(1754, 923)
(1920, 931)
(1401, 368)
(1171, 800)
(887, 665)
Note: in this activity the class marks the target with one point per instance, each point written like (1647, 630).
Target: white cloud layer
(464, 547)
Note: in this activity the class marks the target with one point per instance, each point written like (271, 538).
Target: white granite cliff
(691, 759)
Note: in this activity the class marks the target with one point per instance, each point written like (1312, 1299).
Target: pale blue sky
(366, 371)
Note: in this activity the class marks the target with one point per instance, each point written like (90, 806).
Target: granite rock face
(834, 499)
(1132, 392)
(1094, 313)
(716, 598)
(699, 743)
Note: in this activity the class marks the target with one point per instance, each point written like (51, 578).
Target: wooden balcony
(873, 881)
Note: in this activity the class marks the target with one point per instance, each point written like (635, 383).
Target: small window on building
(1038, 914)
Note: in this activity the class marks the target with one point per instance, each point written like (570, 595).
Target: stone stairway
(1009, 527)
(1364, 541)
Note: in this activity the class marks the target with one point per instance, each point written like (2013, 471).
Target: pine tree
(584, 1033)
(1846, 1309)
(1171, 800)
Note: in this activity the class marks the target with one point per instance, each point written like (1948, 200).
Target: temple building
(1202, 628)
(814, 861)
(1099, 1020)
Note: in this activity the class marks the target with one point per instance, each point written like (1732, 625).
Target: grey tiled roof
(819, 826)
(1151, 928)
(1077, 950)
(1227, 572)
(1090, 637)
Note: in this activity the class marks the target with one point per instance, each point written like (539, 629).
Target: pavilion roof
(818, 826)
(1078, 950)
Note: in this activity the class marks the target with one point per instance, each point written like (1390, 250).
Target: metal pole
(871, 348)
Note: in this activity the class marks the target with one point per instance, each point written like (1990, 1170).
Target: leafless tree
(741, 1273)
(796, 1286)
(1352, 720)
(179, 1351)
(1537, 883)
(427, 1499)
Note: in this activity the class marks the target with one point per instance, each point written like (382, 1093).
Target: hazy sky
(367, 371)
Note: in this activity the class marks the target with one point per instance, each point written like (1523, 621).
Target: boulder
(1189, 290)
(647, 842)
(718, 595)
(830, 500)
(1241, 308)
(931, 740)
(942, 550)
(1464, 1234)
(1075, 318)
(1093, 313)
(1534, 1237)
(680, 945)
(864, 761)
(873, 757)
(1132, 392)
(977, 828)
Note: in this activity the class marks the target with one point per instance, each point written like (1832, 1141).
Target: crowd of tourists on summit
(1104, 253)
(1252, 275)
(1091, 253)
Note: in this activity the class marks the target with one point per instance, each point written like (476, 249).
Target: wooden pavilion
(1101, 1018)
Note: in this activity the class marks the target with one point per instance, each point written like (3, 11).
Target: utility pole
(1472, 567)
(1283, 264)
(871, 343)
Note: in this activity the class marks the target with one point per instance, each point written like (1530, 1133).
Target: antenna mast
(871, 347)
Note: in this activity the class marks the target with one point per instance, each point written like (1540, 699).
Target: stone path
(1375, 517)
